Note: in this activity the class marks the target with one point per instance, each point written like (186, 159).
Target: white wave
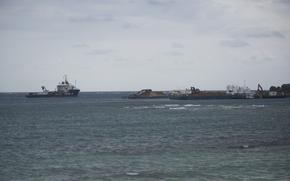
(245, 146)
(231, 107)
(210, 105)
(141, 107)
(171, 105)
(177, 108)
(259, 105)
(191, 105)
(159, 107)
(132, 173)
(146, 107)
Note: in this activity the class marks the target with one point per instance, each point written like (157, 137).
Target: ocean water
(101, 136)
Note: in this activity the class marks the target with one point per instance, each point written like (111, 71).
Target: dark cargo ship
(63, 89)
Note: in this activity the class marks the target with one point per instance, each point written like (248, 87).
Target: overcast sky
(134, 44)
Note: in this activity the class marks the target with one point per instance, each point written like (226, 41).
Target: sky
(121, 45)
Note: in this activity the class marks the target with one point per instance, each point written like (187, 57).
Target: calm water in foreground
(100, 136)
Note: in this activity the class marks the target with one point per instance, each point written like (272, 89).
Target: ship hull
(209, 96)
(70, 93)
(147, 97)
(192, 97)
(270, 97)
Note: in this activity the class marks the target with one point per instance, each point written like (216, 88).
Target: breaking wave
(196, 106)
(171, 105)
(191, 105)
(255, 105)
(177, 108)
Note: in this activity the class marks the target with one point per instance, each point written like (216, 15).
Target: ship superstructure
(240, 92)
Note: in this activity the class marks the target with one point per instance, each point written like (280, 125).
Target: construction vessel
(232, 92)
(260, 93)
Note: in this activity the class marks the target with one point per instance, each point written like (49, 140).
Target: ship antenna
(65, 79)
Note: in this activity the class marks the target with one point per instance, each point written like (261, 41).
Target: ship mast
(65, 79)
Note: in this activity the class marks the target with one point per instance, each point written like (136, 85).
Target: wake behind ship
(63, 89)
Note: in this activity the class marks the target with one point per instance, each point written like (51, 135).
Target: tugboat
(63, 89)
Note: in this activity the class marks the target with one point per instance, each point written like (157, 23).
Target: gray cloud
(177, 45)
(234, 43)
(121, 59)
(80, 45)
(175, 53)
(100, 52)
(285, 2)
(160, 2)
(266, 34)
(92, 18)
(130, 26)
(259, 59)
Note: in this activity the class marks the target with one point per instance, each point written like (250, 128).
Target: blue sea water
(101, 136)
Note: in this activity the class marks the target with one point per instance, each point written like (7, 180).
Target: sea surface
(102, 136)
